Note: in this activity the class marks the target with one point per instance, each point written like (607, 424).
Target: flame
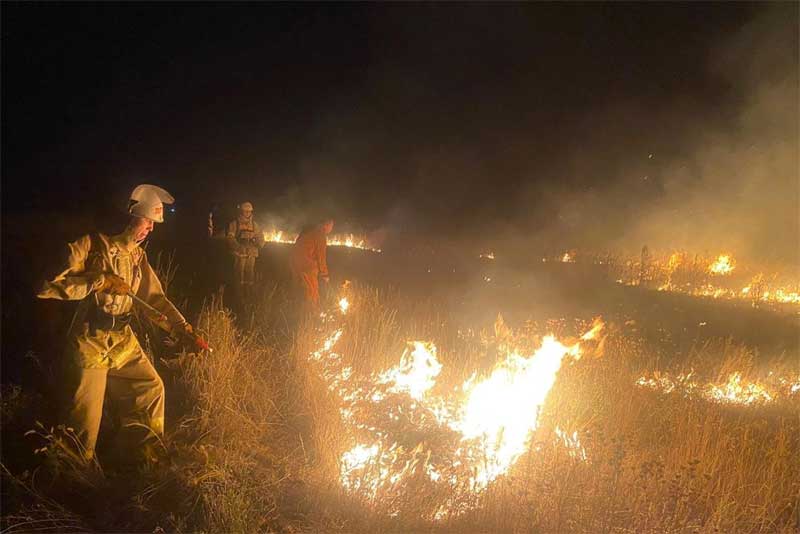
(734, 390)
(487, 255)
(335, 240)
(350, 241)
(784, 296)
(492, 419)
(416, 372)
(279, 236)
(327, 345)
(597, 327)
(406, 427)
(723, 265)
(394, 417)
(675, 261)
(567, 258)
(502, 410)
(708, 277)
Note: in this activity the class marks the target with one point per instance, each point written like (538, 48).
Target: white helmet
(148, 201)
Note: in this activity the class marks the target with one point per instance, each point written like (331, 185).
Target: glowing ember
(567, 258)
(487, 256)
(722, 265)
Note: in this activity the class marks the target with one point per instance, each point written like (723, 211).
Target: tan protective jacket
(82, 275)
(245, 237)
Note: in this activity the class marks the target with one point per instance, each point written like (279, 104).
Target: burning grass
(355, 422)
(598, 451)
(335, 240)
(719, 277)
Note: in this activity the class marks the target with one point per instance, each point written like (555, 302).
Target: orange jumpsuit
(308, 262)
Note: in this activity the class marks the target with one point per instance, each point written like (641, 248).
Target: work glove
(185, 335)
(114, 285)
(181, 330)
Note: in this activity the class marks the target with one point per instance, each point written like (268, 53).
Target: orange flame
(723, 265)
(335, 240)
(493, 417)
(734, 390)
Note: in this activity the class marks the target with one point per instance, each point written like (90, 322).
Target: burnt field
(446, 392)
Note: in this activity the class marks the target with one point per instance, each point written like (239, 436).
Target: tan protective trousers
(244, 268)
(131, 383)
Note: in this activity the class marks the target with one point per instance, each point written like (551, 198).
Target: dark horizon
(588, 123)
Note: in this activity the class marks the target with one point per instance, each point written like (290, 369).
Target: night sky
(451, 119)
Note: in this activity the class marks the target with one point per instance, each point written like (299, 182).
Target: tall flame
(491, 419)
(503, 409)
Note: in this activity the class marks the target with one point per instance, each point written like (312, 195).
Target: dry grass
(655, 462)
(257, 448)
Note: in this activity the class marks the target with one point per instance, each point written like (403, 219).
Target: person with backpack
(109, 275)
(245, 238)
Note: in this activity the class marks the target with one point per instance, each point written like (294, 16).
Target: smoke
(738, 190)
(710, 175)
(682, 146)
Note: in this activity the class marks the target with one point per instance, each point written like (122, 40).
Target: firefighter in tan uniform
(244, 239)
(308, 262)
(103, 354)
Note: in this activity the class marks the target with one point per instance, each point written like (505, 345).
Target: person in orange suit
(308, 261)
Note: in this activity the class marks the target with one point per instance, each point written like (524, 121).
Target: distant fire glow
(334, 240)
(719, 277)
